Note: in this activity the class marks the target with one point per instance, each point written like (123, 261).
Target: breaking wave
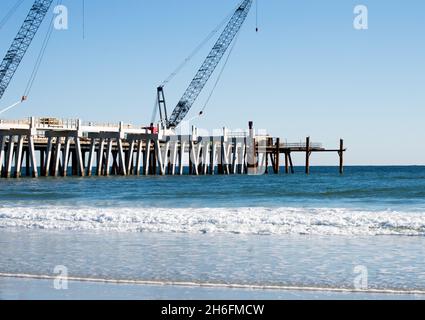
(259, 221)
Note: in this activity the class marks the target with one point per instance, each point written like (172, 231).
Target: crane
(21, 43)
(206, 70)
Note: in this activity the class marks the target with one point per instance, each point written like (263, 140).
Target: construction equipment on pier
(205, 72)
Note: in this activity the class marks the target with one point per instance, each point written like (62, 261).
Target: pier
(44, 147)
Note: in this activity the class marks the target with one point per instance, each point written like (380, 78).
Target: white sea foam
(265, 221)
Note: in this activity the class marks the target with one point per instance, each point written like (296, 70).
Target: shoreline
(210, 285)
(13, 288)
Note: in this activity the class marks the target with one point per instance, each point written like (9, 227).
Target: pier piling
(307, 155)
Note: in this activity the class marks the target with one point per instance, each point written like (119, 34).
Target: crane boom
(22, 41)
(213, 59)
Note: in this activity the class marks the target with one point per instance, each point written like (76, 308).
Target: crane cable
(10, 13)
(188, 59)
(198, 48)
(40, 57)
(256, 16)
(36, 69)
(201, 113)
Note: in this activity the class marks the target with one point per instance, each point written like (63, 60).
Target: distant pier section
(46, 147)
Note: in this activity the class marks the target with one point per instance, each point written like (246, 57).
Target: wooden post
(10, 151)
(91, 157)
(42, 161)
(181, 153)
(234, 155)
(220, 167)
(291, 163)
(154, 159)
(267, 162)
(32, 156)
(57, 155)
(190, 156)
(277, 159)
(100, 157)
(74, 161)
(161, 156)
(130, 163)
(115, 165)
(48, 157)
(2, 147)
(65, 158)
(108, 158)
(227, 152)
(27, 161)
(139, 156)
(122, 168)
(286, 162)
(80, 161)
(18, 157)
(341, 156)
(212, 156)
(174, 157)
(146, 160)
(307, 156)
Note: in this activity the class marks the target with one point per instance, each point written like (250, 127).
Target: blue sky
(307, 72)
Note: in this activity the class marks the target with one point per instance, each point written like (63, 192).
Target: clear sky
(307, 72)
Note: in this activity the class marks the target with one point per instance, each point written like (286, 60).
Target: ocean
(276, 232)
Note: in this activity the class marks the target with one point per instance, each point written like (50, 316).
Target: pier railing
(302, 145)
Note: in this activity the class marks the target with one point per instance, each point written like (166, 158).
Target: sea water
(277, 230)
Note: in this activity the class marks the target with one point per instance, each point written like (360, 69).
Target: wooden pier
(60, 148)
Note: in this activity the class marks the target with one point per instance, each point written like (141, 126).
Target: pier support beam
(286, 162)
(57, 156)
(42, 161)
(122, 165)
(181, 153)
(307, 156)
(108, 158)
(130, 162)
(31, 147)
(48, 157)
(91, 157)
(341, 156)
(147, 156)
(80, 161)
(139, 157)
(2, 153)
(65, 157)
(291, 163)
(277, 157)
(9, 159)
(18, 157)
(27, 163)
(100, 155)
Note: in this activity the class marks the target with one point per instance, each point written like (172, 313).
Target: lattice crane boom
(213, 59)
(22, 41)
